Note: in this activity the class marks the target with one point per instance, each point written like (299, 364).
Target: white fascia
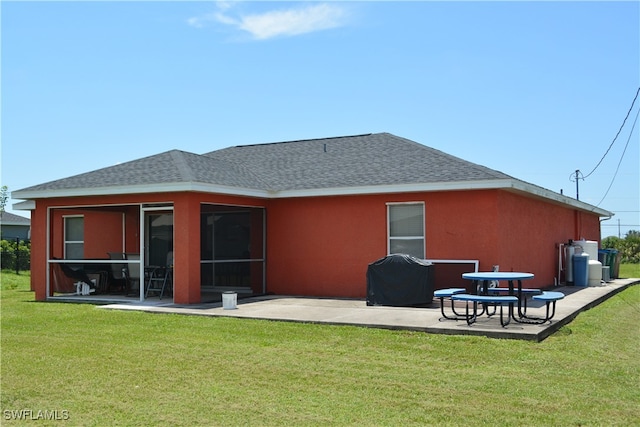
(508, 184)
(559, 198)
(395, 188)
(505, 184)
(27, 205)
(141, 189)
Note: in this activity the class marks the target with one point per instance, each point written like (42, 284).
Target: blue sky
(534, 89)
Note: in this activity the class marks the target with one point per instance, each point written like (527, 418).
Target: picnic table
(498, 296)
(484, 278)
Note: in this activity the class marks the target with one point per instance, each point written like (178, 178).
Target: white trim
(102, 205)
(507, 184)
(394, 188)
(142, 249)
(157, 208)
(424, 226)
(414, 202)
(27, 205)
(142, 189)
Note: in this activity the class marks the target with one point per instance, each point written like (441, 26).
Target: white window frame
(64, 233)
(424, 226)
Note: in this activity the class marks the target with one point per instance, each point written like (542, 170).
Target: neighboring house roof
(7, 218)
(360, 164)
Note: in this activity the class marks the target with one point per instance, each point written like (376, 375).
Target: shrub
(10, 252)
(629, 247)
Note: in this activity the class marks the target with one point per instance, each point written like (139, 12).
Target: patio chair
(132, 274)
(78, 276)
(118, 272)
(160, 279)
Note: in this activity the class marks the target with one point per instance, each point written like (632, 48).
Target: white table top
(497, 275)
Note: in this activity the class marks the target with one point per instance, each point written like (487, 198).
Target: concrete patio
(424, 318)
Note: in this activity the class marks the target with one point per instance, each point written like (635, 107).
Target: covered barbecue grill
(400, 280)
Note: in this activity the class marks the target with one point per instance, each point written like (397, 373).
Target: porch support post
(186, 249)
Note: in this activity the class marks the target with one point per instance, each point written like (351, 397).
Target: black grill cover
(400, 280)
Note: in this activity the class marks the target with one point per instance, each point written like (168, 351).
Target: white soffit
(511, 184)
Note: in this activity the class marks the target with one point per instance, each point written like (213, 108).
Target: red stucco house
(298, 218)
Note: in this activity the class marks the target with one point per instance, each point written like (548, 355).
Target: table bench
(522, 293)
(441, 294)
(550, 299)
(485, 300)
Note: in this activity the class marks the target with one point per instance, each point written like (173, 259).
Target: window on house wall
(73, 237)
(406, 229)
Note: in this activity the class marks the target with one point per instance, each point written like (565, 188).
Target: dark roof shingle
(350, 161)
(361, 160)
(8, 218)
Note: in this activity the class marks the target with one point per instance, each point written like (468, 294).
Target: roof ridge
(239, 165)
(307, 140)
(181, 163)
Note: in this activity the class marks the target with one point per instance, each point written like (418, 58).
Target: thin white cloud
(287, 22)
(199, 21)
(293, 22)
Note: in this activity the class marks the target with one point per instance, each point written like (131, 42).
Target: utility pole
(577, 175)
(618, 228)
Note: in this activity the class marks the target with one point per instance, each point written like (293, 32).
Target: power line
(622, 156)
(616, 137)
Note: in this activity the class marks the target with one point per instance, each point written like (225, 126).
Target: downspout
(605, 219)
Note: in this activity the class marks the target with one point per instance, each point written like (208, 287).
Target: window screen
(406, 229)
(74, 237)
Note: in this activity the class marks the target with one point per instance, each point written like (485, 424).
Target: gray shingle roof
(360, 164)
(362, 160)
(169, 167)
(8, 218)
(350, 161)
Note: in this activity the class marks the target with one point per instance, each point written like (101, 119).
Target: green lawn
(102, 367)
(629, 270)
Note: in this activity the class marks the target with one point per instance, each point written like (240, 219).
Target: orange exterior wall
(530, 231)
(103, 233)
(102, 227)
(186, 249)
(39, 251)
(322, 246)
